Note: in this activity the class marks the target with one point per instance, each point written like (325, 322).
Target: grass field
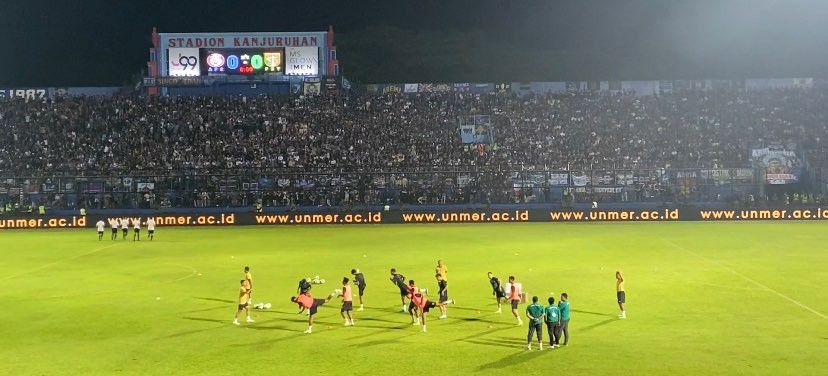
(703, 298)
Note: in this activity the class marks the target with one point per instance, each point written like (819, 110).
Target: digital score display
(243, 62)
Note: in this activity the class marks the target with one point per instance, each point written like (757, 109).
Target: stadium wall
(203, 219)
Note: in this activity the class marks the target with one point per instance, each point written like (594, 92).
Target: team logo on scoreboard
(215, 61)
(273, 61)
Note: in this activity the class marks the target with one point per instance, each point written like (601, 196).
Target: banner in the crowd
(559, 178)
(727, 175)
(312, 86)
(603, 177)
(476, 129)
(27, 94)
(686, 180)
(392, 89)
(580, 178)
(410, 88)
(781, 164)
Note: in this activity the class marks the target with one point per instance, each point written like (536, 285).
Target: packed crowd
(129, 136)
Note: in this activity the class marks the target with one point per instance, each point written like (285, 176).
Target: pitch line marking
(751, 280)
(44, 266)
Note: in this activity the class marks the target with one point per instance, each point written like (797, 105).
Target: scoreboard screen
(242, 61)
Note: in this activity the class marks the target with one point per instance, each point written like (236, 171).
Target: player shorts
(621, 297)
(500, 294)
(315, 305)
(515, 303)
(411, 306)
(428, 306)
(242, 306)
(114, 230)
(137, 230)
(126, 230)
(361, 290)
(347, 306)
(100, 232)
(443, 296)
(150, 232)
(404, 292)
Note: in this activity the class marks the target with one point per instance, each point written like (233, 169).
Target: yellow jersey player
(620, 294)
(441, 269)
(248, 283)
(244, 299)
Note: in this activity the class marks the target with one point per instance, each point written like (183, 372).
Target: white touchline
(44, 266)
(751, 280)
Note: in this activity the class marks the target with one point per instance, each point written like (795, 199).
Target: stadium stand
(214, 140)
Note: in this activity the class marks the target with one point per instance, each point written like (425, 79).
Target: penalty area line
(746, 278)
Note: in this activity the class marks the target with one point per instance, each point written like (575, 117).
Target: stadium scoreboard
(301, 54)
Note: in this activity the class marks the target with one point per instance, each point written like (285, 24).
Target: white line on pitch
(751, 280)
(44, 266)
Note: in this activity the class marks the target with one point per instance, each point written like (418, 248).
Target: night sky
(105, 42)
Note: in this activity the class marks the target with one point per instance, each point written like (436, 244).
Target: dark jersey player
(442, 285)
(359, 281)
(303, 289)
(497, 291)
(399, 281)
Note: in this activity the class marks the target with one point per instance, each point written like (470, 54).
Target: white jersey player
(101, 226)
(136, 225)
(151, 227)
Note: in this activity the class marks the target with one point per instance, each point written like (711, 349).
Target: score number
(244, 63)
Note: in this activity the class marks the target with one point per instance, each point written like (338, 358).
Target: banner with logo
(559, 178)
(302, 61)
(603, 177)
(781, 164)
(392, 89)
(580, 178)
(183, 62)
(411, 88)
(313, 86)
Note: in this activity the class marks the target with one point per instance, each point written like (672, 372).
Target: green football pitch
(702, 298)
